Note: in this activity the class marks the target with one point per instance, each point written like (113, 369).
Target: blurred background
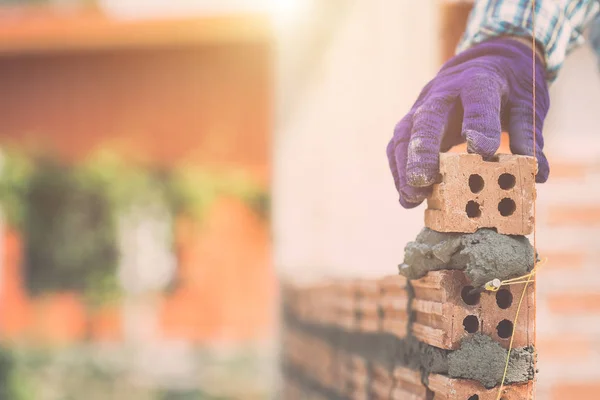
(165, 163)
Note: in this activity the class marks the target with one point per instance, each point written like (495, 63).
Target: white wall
(335, 206)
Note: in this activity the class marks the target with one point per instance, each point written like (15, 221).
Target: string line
(531, 275)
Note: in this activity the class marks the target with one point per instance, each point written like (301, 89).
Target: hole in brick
(504, 329)
(471, 323)
(507, 207)
(476, 183)
(507, 181)
(504, 298)
(474, 397)
(469, 298)
(473, 210)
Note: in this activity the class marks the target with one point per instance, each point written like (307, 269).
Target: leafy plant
(13, 383)
(70, 233)
(68, 214)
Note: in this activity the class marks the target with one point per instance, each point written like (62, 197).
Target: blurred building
(163, 91)
(336, 209)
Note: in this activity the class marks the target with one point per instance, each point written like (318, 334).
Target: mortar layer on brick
(482, 359)
(483, 255)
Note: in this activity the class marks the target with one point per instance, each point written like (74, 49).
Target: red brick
(579, 391)
(440, 312)
(393, 303)
(582, 303)
(493, 315)
(345, 304)
(408, 385)
(382, 382)
(446, 388)
(448, 205)
(367, 305)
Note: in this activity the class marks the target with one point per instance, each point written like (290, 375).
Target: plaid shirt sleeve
(559, 25)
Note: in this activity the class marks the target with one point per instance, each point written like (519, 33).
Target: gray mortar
(483, 255)
(482, 359)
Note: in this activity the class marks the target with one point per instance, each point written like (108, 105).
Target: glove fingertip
(483, 145)
(407, 204)
(421, 178)
(543, 170)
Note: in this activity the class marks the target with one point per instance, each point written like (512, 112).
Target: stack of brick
(431, 332)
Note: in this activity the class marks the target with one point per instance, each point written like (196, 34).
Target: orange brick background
(568, 303)
(222, 265)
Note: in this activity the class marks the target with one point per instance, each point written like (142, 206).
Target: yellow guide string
(530, 276)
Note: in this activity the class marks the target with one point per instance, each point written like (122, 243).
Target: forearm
(558, 26)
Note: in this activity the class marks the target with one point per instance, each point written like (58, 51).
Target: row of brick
(316, 369)
(443, 307)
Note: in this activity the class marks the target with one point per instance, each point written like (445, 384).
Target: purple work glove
(475, 96)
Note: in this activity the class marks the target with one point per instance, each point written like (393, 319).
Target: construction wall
(336, 208)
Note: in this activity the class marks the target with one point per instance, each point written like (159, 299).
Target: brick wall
(392, 339)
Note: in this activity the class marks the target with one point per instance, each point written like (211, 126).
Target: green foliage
(70, 233)
(14, 183)
(13, 383)
(68, 214)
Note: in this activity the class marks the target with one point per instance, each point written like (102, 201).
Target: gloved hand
(475, 96)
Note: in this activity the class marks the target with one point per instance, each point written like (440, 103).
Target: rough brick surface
(345, 304)
(382, 382)
(439, 310)
(496, 319)
(367, 305)
(359, 383)
(460, 389)
(477, 194)
(408, 385)
(393, 304)
(443, 318)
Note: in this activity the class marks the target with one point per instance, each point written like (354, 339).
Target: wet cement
(482, 359)
(483, 255)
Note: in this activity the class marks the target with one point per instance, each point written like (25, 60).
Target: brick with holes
(445, 311)
(475, 194)
(445, 388)
(442, 317)
(498, 310)
(393, 305)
